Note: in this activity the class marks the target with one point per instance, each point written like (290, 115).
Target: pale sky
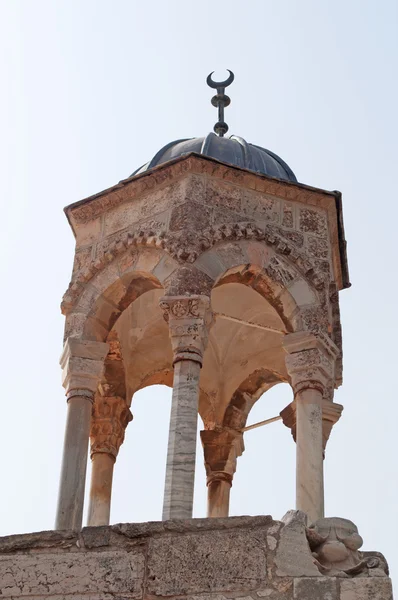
(90, 91)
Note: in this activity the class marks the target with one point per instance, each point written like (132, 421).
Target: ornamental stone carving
(335, 545)
(186, 249)
(189, 320)
(310, 360)
(110, 417)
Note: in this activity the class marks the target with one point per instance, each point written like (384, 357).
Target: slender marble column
(82, 363)
(99, 509)
(310, 363)
(188, 318)
(74, 462)
(309, 454)
(181, 451)
(218, 493)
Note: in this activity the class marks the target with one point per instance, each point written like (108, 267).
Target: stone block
(73, 573)
(88, 232)
(210, 263)
(232, 254)
(190, 215)
(210, 562)
(363, 588)
(165, 268)
(221, 194)
(315, 588)
(293, 556)
(313, 221)
(302, 293)
(261, 207)
(130, 213)
(84, 349)
(258, 254)
(224, 215)
(288, 215)
(82, 259)
(147, 260)
(317, 247)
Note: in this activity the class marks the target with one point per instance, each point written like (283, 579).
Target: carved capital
(189, 319)
(310, 360)
(221, 449)
(331, 413)
(110, 417)
(82, 364)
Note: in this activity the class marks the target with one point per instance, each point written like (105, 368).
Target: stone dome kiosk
(221, 283)
(213, 271)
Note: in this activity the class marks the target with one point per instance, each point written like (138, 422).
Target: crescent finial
(220, 84)
(220, 101)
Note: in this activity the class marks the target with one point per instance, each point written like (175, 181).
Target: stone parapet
(251, 557)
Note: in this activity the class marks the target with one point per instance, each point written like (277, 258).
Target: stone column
(110, 418)
(82, 365)
(188, 318)
(310, 363)
(221, 449)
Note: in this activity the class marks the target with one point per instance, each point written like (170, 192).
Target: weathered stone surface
(236, 558)
(46, 575)
(293, 556)
(366, 589)
(313, 221)
(210, 562)
(190, 215)
(42, 539)
(315, 588)
(287, 215)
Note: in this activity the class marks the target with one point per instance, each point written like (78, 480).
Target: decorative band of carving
(86, 393)
(310, 361)
(185, 251)
(110, 417)
(219, 476)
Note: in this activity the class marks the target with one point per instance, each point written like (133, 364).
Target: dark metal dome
(232, 150)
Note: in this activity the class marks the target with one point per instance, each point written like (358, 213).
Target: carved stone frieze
(310, 360)
(189, 319)
(110, 417)
(335, 545)
(186, 249)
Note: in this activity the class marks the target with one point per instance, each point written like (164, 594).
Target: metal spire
(220, 101)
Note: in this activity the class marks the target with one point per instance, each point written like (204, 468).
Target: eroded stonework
(214, 559)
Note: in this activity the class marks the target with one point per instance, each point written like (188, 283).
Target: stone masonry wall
(201, 559)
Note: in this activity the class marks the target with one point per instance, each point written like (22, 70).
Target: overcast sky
(91, 90)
